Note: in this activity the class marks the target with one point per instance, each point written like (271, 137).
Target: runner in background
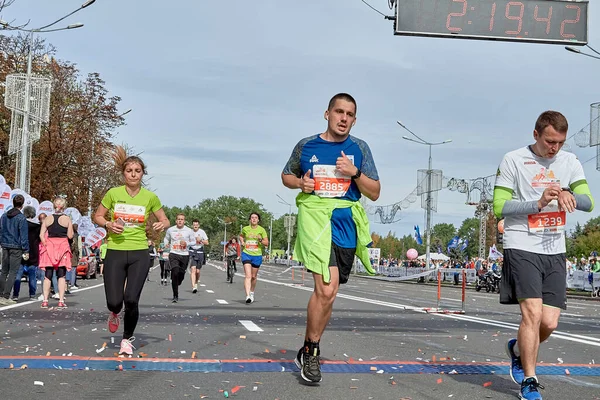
(179, 238)
(123, 212)
(197, 254)
(253, 239)
(232, 251)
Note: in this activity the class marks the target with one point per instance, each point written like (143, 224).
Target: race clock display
(537, 21)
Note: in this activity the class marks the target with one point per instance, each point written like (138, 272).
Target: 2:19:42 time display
(541, 21)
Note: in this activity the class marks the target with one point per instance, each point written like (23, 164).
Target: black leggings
(179, 264)
(164, 274)
(125, 273)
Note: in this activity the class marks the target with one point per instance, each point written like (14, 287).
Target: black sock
(311, 347)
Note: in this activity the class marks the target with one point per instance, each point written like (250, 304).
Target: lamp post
(89, 172)
(577, 51)
(429, 178)
(21, 180)
(289, 225)
(224, 237)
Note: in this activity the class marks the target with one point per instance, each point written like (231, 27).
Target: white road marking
(588, 340)
(251, 326)
(209, 291)
(222, 301)
(35, 301)
(390, 291)
(570, 315)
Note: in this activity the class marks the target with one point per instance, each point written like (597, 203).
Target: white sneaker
(75, 287)
(251, 297)
(127, 347)
(56, 296)
(248, 300)
(195, 289)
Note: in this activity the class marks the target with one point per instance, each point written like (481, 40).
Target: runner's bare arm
(163, 222)
(100, 219)
(305, 183)
(369, 187)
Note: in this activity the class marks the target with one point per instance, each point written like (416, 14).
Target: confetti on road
(487, 384)
(242, 336)
(567, 372)
(439, 380)
(236, 389)
(560, 360)
(170, 338)
(38, 383)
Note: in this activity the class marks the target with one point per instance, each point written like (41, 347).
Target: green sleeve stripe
(581, 187)
(501, 196)
(575, 185)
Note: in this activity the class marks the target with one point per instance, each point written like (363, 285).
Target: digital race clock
(538, 21)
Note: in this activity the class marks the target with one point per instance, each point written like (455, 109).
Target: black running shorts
(527, 275)
(343, 259)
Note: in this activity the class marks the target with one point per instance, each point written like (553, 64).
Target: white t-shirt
(199, 235)
(528, 175)
(174, 236)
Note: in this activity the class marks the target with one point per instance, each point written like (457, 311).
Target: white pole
(270, 237)
(428, 236)
(22, 181)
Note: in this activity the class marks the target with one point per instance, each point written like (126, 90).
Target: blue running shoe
(529, 390)
(516, 368)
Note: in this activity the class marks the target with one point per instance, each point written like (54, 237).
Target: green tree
(469, 230)
(441, 234)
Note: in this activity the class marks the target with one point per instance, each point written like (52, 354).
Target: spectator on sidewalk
(29, 267)
(15, 246)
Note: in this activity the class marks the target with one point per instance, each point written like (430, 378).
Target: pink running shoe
(45, 304)
(127, 347)
(61, 305)
(113, 322)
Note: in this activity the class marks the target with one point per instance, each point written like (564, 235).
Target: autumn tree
(72, 155)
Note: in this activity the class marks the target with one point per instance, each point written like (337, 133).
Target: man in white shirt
(197, 255)
(536, 186)
(179, 238)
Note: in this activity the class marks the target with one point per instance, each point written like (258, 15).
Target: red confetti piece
(487, 384)
(236, 388)
(439, 381)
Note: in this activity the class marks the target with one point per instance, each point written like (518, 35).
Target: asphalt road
(380, 344)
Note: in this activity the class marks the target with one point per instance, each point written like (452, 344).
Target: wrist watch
(358, 174)
(567, 189)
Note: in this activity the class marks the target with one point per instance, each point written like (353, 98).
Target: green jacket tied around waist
(313, 241)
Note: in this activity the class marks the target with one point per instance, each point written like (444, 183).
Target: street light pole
(577, 51)
(429, 184)
(289, 225)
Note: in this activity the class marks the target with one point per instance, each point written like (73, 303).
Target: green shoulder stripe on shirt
(501, 196)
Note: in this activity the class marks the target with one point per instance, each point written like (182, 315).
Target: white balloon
(74, 214)
(95, 236)
(17, 191)
(45, 207)
(4, 198)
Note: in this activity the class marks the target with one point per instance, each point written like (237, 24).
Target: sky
(221, 91)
